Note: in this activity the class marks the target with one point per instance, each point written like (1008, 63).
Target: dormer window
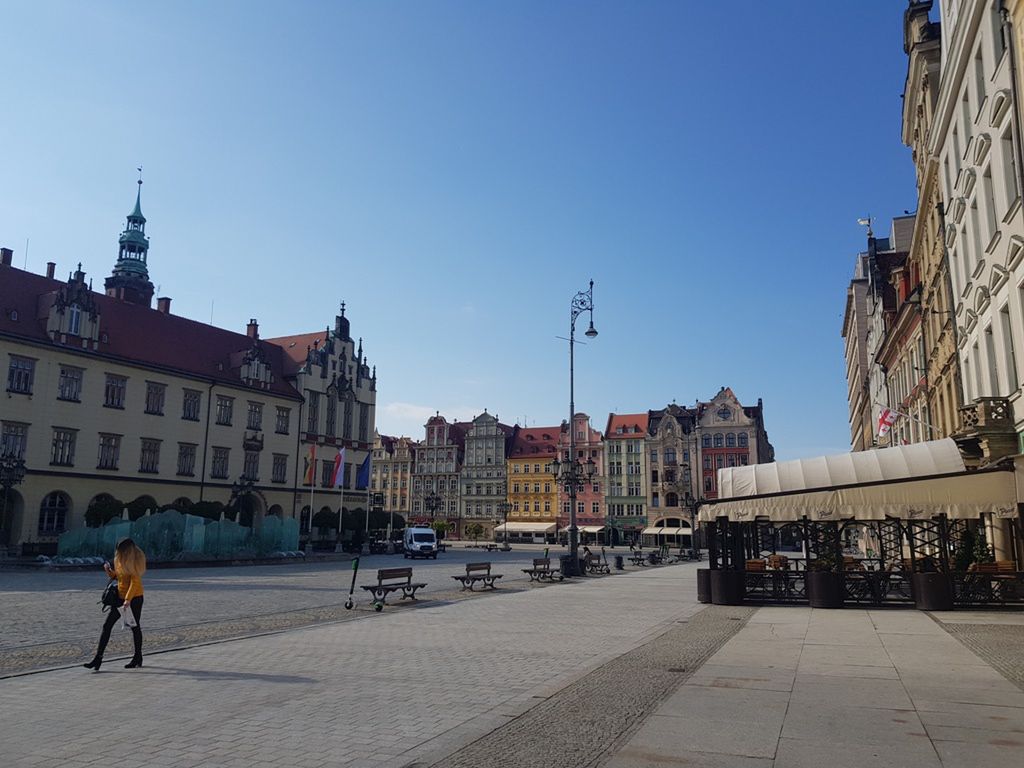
(74, 320)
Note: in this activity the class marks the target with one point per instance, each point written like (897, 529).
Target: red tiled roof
(535, 442)
(625, 420)
(137, 334)
(295, 347)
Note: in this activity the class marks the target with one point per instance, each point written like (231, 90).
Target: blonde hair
(129, 560)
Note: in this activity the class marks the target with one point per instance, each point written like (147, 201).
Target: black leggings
(112, 617)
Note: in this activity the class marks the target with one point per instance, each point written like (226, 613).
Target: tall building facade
(392, 473)
(439, 457)
(673, 446)
(975, 140)
(590, 497)
(940, 389)
(110, 401)
(531, 488)
(731, 435)
(625, 454)
(483, 475)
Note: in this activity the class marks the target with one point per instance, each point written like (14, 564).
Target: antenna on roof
(211, 310)
(26, 255)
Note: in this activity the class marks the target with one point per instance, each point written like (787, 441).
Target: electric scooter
(355, 569)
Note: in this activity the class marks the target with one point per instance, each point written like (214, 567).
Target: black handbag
(111, 598)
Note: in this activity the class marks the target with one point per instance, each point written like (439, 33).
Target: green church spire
(130, 278)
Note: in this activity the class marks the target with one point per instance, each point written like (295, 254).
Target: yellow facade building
(532, 491)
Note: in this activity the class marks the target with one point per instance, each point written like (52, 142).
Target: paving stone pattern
(1000, 645)
(581, 724)
(53, 618)
(400, 687)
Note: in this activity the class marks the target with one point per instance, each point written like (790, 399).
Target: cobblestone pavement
(1000, 644)
(397, 688)
(53, 618)
(582, 724)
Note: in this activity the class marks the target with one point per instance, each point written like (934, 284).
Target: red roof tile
(535, 442)
(137, 334)
(632, 424)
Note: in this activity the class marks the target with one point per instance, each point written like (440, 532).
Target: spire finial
(140, 175)
(342, 308)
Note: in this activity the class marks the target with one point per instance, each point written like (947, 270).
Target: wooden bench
(594, 564)
(638, 558)
(541, 570)
(478, 572)
(999, 566)
(391, 580)
(755, 565)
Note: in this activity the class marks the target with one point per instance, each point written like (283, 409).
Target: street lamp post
(570, 472)
(692, 504)
(12, 472)
(504, 507)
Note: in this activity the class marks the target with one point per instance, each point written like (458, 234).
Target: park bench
(490, 547)
(478, 572)
(638, 558)
(594, 564)
(541, 570)
(391, 580)
(654, 558)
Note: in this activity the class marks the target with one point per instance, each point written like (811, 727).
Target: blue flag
(363, 476)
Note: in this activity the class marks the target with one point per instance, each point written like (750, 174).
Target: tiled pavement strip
(580, 668)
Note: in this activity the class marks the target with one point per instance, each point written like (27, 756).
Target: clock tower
(130, 278)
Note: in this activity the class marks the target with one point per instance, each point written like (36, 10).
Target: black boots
(94, 665)
(135, 662)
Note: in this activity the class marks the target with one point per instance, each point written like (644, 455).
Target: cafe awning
(591, 528)
(964, 495)
(665, 531)
(525, 528)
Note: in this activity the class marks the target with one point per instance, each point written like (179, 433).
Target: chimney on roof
(163, 304)
(51, 267)
(6, 257)
(252, 330)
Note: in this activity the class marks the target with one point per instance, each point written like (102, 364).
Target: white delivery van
(420, 542)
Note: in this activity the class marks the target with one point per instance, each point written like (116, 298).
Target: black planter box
(727, 587)
(703, 585)
(824, 589)
(932, 592)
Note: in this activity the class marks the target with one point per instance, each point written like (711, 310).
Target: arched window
(705, 441)
(743, 439)
(53, 513)
(718, 440)
(730, 440)
(304, 520)
(707, 484)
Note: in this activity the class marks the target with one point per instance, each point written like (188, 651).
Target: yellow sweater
(128, 586)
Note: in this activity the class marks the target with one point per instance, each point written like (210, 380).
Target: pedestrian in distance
(129, 566)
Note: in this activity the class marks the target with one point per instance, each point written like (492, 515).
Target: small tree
(441, 527)
(102, 510)
(475, 531)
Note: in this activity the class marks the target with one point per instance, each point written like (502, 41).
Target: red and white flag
(885, 421)
(338, 473)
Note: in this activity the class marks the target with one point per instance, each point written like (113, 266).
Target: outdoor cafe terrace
(902, 526)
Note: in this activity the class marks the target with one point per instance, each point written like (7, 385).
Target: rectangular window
(20, 375)
(990, 204)
(114, 391)
(186, 459)
(283, 417)
(110, 451)
(255, 417)
(225, 410)
(149, 456)
(654, 456)
(364, 422)
(155, 394)
(346, 424)
(979, 80)
(1011, 355)
(191, 404)
(13, 439)
(332, 413)
(1009, 165)
(993, 364)
(62, 451)
(69, 386)
(219, 465)
(326, 468)
(251, 466)
(313, 414)
(595, 508)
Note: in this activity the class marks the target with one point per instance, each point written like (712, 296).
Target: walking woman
(129, 565)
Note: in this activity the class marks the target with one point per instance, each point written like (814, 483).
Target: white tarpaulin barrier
(525, 528)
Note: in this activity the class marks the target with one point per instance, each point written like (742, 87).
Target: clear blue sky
(456, 171)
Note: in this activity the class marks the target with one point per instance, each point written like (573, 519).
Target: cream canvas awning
(665, 531)
(935, 457)
(962, 495)
(591, 528)
(525, 528)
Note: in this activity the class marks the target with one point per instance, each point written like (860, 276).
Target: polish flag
(885, 421)
(338, 473)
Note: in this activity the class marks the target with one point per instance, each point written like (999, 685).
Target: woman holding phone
(129, 566)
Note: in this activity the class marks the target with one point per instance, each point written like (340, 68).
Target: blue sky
(456, 171)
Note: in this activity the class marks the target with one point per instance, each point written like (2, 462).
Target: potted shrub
(823, 582)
